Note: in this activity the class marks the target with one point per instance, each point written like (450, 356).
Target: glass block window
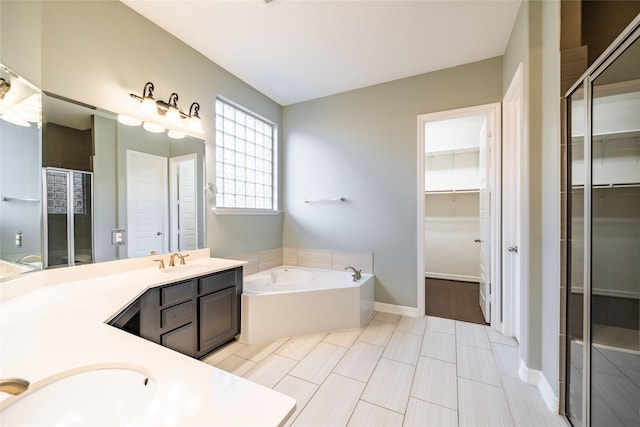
(245, 159)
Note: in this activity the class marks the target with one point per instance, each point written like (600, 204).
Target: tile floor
(396, 371)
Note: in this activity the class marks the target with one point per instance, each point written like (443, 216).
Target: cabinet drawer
(218, 282)
(181, 339)
(176, 293)
(176, 316)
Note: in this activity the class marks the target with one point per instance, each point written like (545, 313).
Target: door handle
(158, 233)
(513, 249)
(477, 240)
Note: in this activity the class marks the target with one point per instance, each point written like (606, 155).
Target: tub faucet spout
(357, 274)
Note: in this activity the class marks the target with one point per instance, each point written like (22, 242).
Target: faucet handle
(161, 261)
(13, 386)
(182, 257)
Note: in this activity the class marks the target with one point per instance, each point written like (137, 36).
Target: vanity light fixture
(195, 124)
(170, 109)
(147, 103)
(26, 111)
(4, 88)
(163, 115)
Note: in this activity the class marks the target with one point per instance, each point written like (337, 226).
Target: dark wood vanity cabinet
(194, 316)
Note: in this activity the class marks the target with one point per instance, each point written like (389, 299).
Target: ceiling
(297, 50)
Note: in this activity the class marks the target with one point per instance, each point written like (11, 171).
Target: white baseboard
(537, 378)
(396, 309)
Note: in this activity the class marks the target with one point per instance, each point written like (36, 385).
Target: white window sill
(232, 211)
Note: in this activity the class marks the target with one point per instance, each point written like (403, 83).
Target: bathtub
(291, 301)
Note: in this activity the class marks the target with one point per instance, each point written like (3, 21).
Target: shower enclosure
(603, 239)
(68, 213)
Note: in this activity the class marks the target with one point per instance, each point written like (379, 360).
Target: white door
(511, 203)
(184, 223)
(484, 240)
(146, 204)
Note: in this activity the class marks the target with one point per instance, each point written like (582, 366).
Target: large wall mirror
(20, 172)
(96, 189)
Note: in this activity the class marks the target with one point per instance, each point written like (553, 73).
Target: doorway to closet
(459, 206)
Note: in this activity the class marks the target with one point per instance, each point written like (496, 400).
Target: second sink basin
(97, 397)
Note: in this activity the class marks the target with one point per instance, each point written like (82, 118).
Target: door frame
(513, 102)
(174, 199)
(495, 198)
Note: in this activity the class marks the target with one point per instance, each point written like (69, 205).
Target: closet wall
(451, 224)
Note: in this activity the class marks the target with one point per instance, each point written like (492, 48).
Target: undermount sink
(185, 269)
(97, 397)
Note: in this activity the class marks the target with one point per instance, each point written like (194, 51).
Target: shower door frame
(70, 216)
(610, 55)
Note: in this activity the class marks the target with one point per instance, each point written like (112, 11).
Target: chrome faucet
(357, 274)
(13, 386)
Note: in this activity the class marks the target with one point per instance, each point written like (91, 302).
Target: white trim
(454, 277)
(537, 378)
(549, 397)
(509, 298)
(240, 211)
(396, 309)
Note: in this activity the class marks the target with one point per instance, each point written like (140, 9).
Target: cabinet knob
(513, 249)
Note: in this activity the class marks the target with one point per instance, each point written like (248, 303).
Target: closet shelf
(450, 152)
(629, 185)
(469, 190)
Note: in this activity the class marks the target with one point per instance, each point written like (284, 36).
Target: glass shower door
(69, 217)
(575, 258)
(615, 242)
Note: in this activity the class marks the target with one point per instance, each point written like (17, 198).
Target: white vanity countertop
(57, 326)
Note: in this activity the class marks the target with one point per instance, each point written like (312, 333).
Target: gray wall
(97, 52)
(535, 41)
(362, 145)
(105, 201)
(20, 157)
(550, 194)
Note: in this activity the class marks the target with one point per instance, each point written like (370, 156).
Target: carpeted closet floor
(453, 300)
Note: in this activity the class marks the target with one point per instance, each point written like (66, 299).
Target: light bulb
(195, 125)
(148, 107)
(173, 115)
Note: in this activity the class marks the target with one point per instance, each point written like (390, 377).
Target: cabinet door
(180, 339)
(218, 319)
